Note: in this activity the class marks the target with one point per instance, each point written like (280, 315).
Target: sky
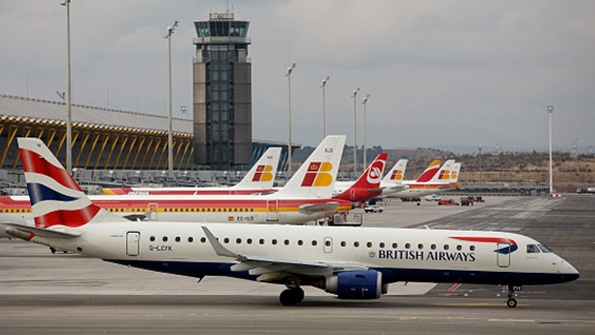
(440, 74)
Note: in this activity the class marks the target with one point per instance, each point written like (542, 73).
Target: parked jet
(439, 182)
(367, 186)
(306, 197)
(259, 179)
(350, 263)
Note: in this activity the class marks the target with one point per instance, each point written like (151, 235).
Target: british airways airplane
(351, 263)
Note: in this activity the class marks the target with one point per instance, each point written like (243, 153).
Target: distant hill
(509, 168)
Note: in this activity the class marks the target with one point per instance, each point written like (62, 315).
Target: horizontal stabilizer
(312, 209)
(26, 232)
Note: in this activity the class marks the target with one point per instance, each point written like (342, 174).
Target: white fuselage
(400, 254)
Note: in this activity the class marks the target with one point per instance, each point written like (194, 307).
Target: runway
(44, 293)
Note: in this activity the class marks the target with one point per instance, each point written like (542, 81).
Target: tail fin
(56, 198)
(430, 172)
(368, 184)
(397, 173)
(262, 174)
(316, 177)
(443, 175)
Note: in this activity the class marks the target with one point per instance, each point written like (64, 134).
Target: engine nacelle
(359, 284)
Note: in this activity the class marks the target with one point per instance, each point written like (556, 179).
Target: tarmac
(44, 293)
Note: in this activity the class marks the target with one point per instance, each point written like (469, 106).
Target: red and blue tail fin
(56, 198)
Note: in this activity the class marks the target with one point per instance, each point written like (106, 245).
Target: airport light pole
(323, 85)
(550, 110)
(289, 162)
(480, 165)
(66, 3)
(365, 102)
(170, 151)
(354, 132)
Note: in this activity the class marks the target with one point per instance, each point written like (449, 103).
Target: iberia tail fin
(430, 172)
(262, 174)
(316, 177)
(397, 173)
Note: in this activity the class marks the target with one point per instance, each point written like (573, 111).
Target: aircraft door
(503, 257)
(153, 211)
(272, 210)
(327, 245)
(132, 243)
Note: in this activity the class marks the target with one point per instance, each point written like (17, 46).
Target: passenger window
(314, 243)
(369, 244)
(356, 244)
(343, 243)
(286, 242)
(178, 239)
(459, 247)
(226, 240)
(381, 245)
(238, 241)
(446, 247)
(274, 242)
(164, 238)
(472, 248)
(407, 245)
(532, 249)
(203, 239)
(433, 247)
(300, 242)
(395, 245)
(420, 246)
(152, 238)
(249, 241)
(190, 239)
(261, 241)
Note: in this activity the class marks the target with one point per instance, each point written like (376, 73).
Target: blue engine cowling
(359, 284)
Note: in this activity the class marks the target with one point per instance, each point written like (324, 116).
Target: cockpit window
(532, 249)
(543, 248)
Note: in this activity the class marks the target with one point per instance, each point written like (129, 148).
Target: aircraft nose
(567, 271)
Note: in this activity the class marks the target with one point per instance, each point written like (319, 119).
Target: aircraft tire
(511, 303)
(291, 297)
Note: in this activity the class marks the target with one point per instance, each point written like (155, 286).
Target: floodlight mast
(289, 145)
(323, 85)
(66, 4)
(354, 96)
(170, 155)
(365, 103)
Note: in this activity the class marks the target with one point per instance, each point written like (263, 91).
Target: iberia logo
(397, 175)
(454, 175)
(375, 172)
(318, 175)
(445, 174)
(508, 246)
(263, 173)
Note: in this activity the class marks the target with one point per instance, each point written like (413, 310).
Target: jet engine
(357, 284)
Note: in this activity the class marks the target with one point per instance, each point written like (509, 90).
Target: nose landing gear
(511, 302)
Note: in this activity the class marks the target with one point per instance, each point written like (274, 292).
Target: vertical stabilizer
(430, 172)
(262, 175)
(316, 177)
(397, 173)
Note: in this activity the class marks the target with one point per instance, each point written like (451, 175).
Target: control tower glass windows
(202, 29)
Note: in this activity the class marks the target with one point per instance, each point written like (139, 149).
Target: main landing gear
(291, 296)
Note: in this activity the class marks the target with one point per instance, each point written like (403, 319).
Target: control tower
(222, 92)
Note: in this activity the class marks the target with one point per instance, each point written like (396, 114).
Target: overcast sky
(440, 73)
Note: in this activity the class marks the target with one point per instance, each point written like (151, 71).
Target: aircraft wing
(312, 209)
(271, 269)
(26, 232)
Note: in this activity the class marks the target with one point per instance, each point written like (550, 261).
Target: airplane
(260, 179)
(367, 186)
(440, 181)
(306, 197)
(347, 262)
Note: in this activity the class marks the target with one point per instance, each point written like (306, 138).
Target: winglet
(220, 250)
